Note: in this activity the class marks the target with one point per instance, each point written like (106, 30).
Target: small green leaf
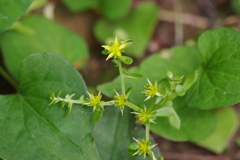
(226, 126)
(190, 80)
(131, 75)
(164, 112)
(97, 115)
(128, 91)
(128, 41)
(105, 52)
(180, 90)
(133, 146)
(169, 74)
(180, 77)
(126, 60)
(174, 119)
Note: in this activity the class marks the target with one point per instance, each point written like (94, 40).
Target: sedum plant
(160, 93)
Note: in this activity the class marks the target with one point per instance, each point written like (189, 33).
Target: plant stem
(133, 106)
(147, 131)
(178, 22)
(121, 77)
(152, 105)
(9, 78)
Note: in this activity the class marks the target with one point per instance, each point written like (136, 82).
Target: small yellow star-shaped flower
(152, 90)
(115, 49)
(94, 101)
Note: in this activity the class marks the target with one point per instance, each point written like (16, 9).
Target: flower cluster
(152, 90)
(120, 101)
(95, 101)
(141, 147)
(143, 117)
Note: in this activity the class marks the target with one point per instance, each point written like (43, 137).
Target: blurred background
(153, 25)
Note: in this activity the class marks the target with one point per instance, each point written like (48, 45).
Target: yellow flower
(143, 147)
(115, 49)
(144, 117)
(120, 101)
(94, 101)
(152, 90)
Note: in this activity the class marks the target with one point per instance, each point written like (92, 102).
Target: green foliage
(195, 124)
(236, 5)
(47, 37)
(226, 126)
(30, 129)
(80, 5)
(115, 9)
(114, 132)
(219, 82)
(184, 61)
(10, 11)
(136, 27)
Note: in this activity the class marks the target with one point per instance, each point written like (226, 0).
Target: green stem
(147, 131)
(133, 106)
(121, 77)
(9, 78)
(152, 105)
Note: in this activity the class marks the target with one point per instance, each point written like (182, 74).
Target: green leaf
(30, 129)
(174, 120)
(80, 5)
(164, 112)
(218, 84)
(139, 28)
(180, 90)
(97, 115)
(226, 126)
(47, 37)
(131, 75)
(169, 74)
(11, 10)
(190, 80)
(36, 4)
(105, 52)
(236, 5)
(196, 124)
(126, 60)
(115, 9)
(114, 132)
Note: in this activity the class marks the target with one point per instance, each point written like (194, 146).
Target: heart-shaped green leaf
(11, 10)
(30, 129)
(115, 9)
(46, 37)
(80, 5)
(184, 61)
(114, 132)
(226, 126)
(136, 27)
(219, 83)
